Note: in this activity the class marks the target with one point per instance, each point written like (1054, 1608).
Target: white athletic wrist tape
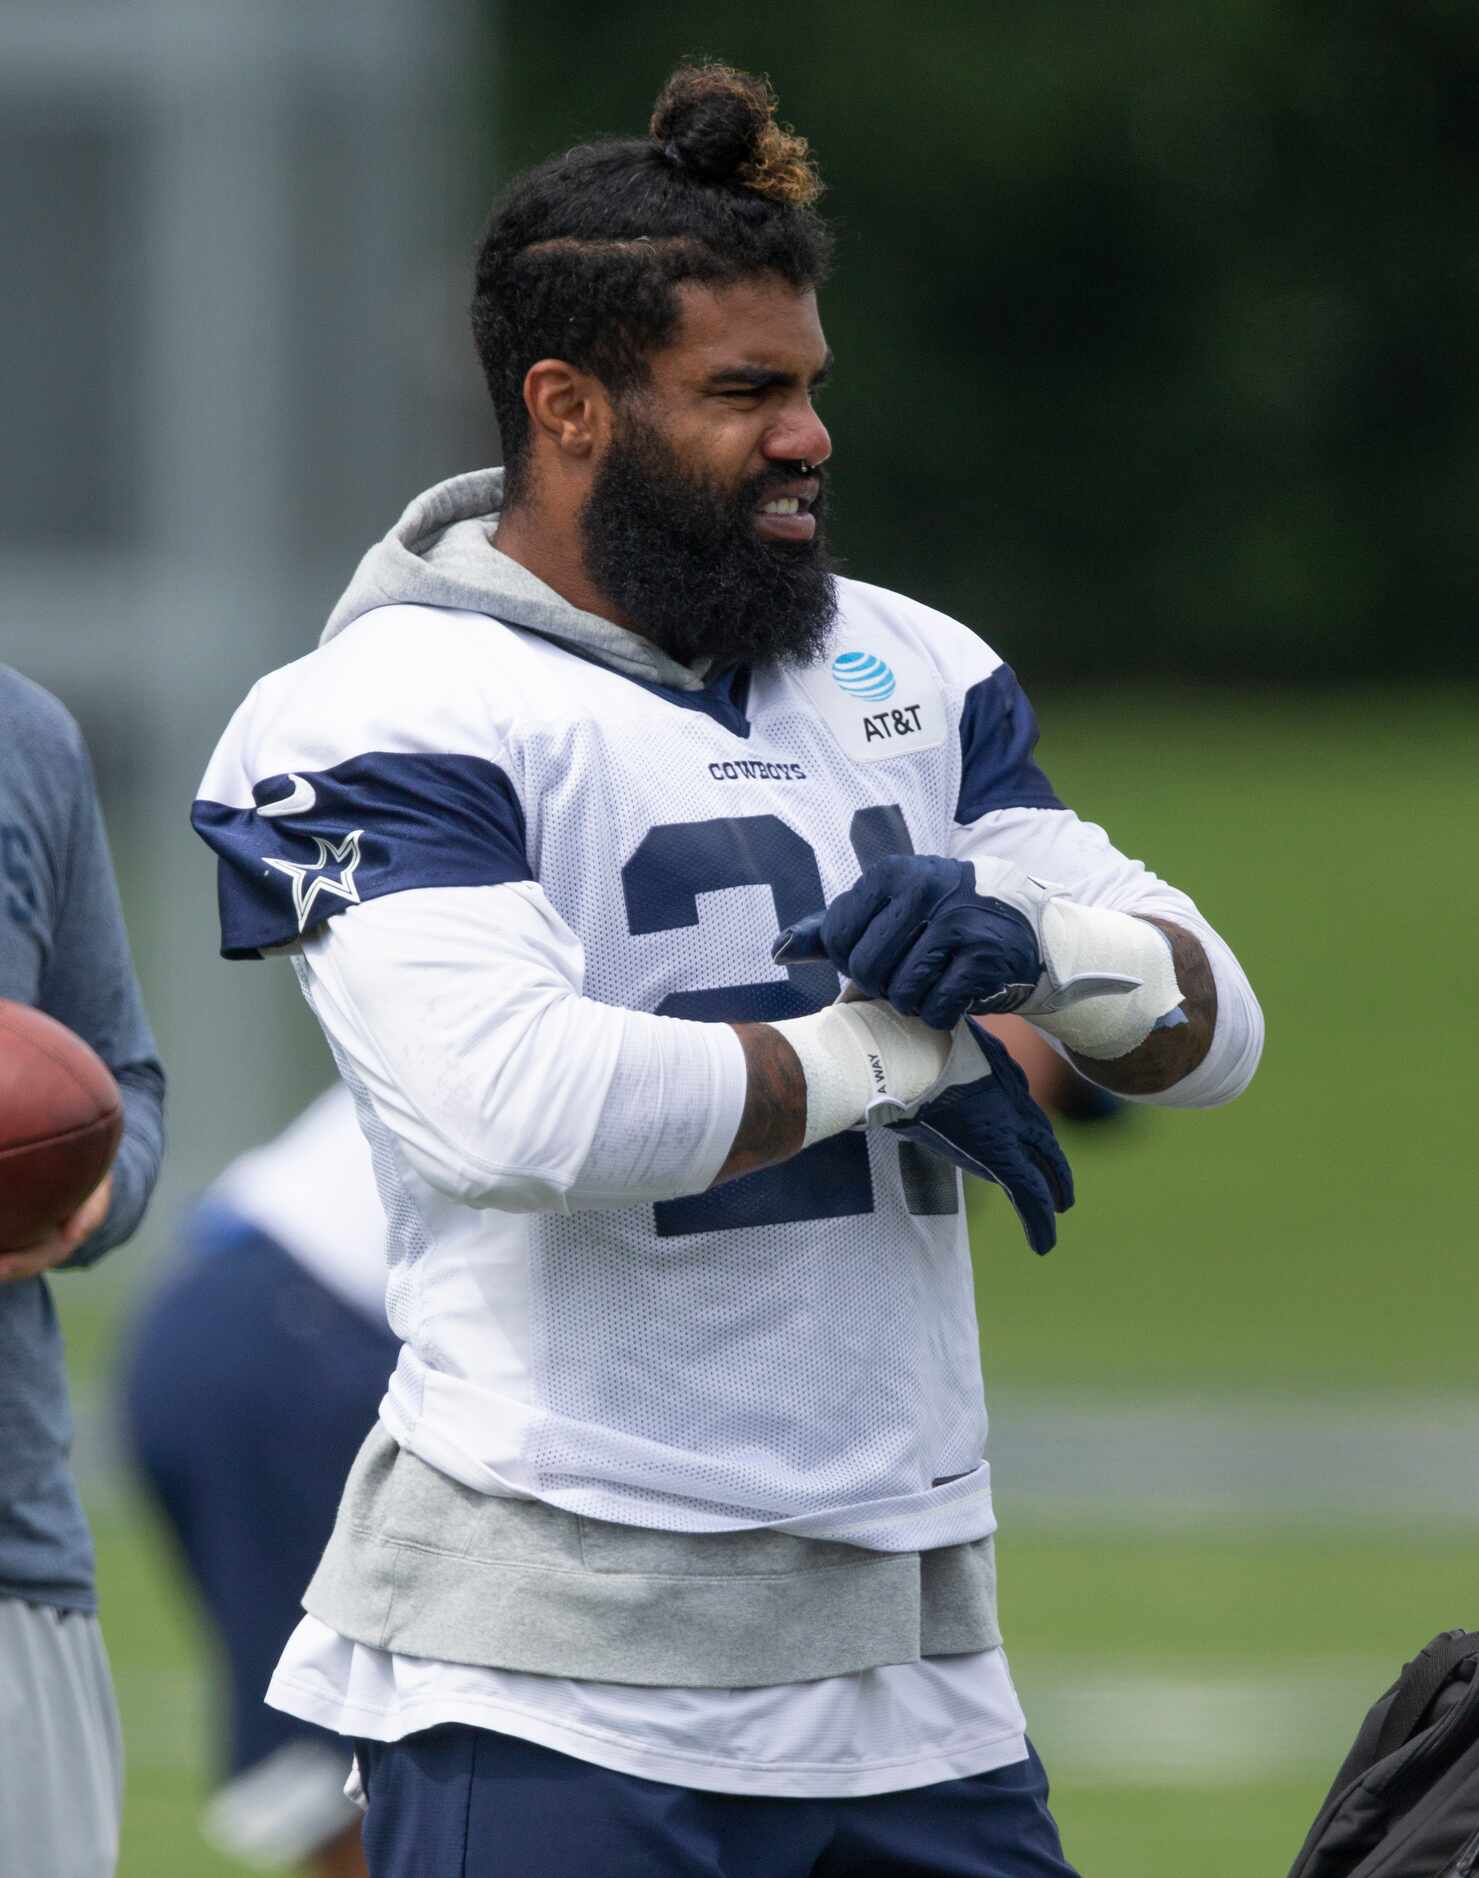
(1091, 941)
(855, 1055)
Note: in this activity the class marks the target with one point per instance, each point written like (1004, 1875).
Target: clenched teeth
(783, 505)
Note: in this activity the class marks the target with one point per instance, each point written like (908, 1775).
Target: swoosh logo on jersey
(299, 802)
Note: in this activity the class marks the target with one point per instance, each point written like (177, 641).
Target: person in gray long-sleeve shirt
(63, 948)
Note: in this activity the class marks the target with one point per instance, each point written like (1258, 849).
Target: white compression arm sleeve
(458, 1011)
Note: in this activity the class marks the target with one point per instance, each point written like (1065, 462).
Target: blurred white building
(237, 246)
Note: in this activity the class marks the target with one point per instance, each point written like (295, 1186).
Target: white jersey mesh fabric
(406, 1240)
(747, 1373)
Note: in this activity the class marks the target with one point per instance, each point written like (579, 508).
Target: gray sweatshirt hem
(423, 1566)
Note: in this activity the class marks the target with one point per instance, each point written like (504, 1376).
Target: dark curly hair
(581, 258)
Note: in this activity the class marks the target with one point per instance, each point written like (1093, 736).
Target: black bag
(1406, 1802)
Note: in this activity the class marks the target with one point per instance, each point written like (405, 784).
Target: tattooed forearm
(773, 1125)
(1166, 1055)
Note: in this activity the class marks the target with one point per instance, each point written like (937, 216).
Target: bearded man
(671, 1551)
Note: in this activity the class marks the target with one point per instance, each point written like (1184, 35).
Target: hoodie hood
(441, 553)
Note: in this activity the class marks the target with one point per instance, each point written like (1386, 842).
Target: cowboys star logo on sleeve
(311, 878)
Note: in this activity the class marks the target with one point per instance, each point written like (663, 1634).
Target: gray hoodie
(441, 553)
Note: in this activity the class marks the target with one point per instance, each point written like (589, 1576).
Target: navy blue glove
(981, 1116)
(914, 930)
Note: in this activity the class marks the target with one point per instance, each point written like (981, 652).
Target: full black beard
(679, 555)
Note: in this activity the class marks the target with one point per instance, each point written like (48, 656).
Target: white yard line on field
(1219, 1462)
(1126, 1727)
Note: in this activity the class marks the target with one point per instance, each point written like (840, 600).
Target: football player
(644, 875)
(63, 948)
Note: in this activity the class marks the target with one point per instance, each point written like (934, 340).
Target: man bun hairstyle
(582, 257)
(720, 125)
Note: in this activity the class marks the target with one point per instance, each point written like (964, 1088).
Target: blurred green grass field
(1315, 1240)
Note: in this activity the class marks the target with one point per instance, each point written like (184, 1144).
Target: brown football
(60, 1123)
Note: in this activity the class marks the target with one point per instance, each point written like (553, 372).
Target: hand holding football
(61, 1120)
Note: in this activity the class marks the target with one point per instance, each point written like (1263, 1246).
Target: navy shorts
(462, 1802)
(248, 1390)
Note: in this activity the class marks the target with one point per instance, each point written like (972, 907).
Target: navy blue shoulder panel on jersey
(998, 733)
(320, 840)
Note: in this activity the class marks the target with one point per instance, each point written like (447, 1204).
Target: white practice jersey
(528, 893)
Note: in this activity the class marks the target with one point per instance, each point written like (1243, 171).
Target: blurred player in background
(63, 949)
(672, 1550)
(254, 1372)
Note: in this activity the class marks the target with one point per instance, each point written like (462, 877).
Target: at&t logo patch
(877, 709)
(863, 675)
